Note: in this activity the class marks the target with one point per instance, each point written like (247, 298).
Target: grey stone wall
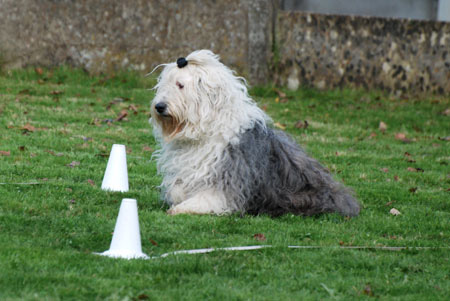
(396, 55)
(105, 35)
(254, 37)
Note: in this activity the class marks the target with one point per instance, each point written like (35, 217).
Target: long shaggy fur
(218, 154)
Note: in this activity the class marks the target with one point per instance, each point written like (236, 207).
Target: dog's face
(194, 101)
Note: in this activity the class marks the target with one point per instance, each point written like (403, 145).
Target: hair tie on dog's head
(182, 62)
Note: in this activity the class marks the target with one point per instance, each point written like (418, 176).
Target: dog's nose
(160, 107)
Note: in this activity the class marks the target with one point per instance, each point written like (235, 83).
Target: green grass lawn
(57, 128)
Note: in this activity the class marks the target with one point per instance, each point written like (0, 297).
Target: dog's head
(198, 97)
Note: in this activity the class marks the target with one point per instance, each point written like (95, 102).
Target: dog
(220, 155)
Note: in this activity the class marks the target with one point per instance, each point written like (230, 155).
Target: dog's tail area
(314, 190)
(343, 200)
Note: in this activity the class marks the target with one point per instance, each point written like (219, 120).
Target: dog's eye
(181, 86)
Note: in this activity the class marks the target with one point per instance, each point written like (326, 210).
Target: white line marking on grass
(248, 248)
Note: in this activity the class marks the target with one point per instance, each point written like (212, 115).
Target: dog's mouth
(170, 125)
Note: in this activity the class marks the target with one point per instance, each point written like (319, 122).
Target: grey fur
(268, 173)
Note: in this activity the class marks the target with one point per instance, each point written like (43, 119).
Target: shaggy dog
(219, 155)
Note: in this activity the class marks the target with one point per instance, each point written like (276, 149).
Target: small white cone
(126, 241)
(116, 174)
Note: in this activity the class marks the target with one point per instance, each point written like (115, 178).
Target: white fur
(214, 108)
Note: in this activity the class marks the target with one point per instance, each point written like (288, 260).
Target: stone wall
(396, 55)
(252, 36)
(104, 35)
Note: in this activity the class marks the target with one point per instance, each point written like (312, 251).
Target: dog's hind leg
(209, 201)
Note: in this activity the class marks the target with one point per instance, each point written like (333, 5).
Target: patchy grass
(57, 128)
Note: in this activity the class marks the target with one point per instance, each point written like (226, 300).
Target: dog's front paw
(172, 211)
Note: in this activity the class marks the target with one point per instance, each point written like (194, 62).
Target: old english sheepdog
(219, 154)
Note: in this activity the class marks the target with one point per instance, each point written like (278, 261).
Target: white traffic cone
(116, 174)
(126, 241)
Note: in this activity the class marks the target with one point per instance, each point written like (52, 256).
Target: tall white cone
(116, 174)
(126, 241)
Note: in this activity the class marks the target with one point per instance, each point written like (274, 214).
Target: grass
(57, 128)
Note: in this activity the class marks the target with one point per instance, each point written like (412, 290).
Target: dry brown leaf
(38, 71)
(5, 153)
(259, 236)
(147, 149)
(92, 183)
(280, 93)
(368, 290)
(301, 124)
(28, 128)
(384, 169)
(382, 126)
(122, 115)
(56, 92)
(402, 137)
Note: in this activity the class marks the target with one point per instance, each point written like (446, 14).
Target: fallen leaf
(28, 128)
(39, 71)
(5, 153)
(389, 203)
(56, 92)
(133, 108)
(259, 236)
(147, 149)
(91, 182)
(384, 169)
(277, 100)
(396, 178)
(372, 135)
(382, 126)
(412, 189)
(368, 290)
(73, 164)
(446, 112)
(22, 148)
(153, 242)
(301, 124)
(143, 297)
(394, 211)
(280, 126)
(415, 169)
(53, 153)
(280, 93)
(122, 115)
(402, 137)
